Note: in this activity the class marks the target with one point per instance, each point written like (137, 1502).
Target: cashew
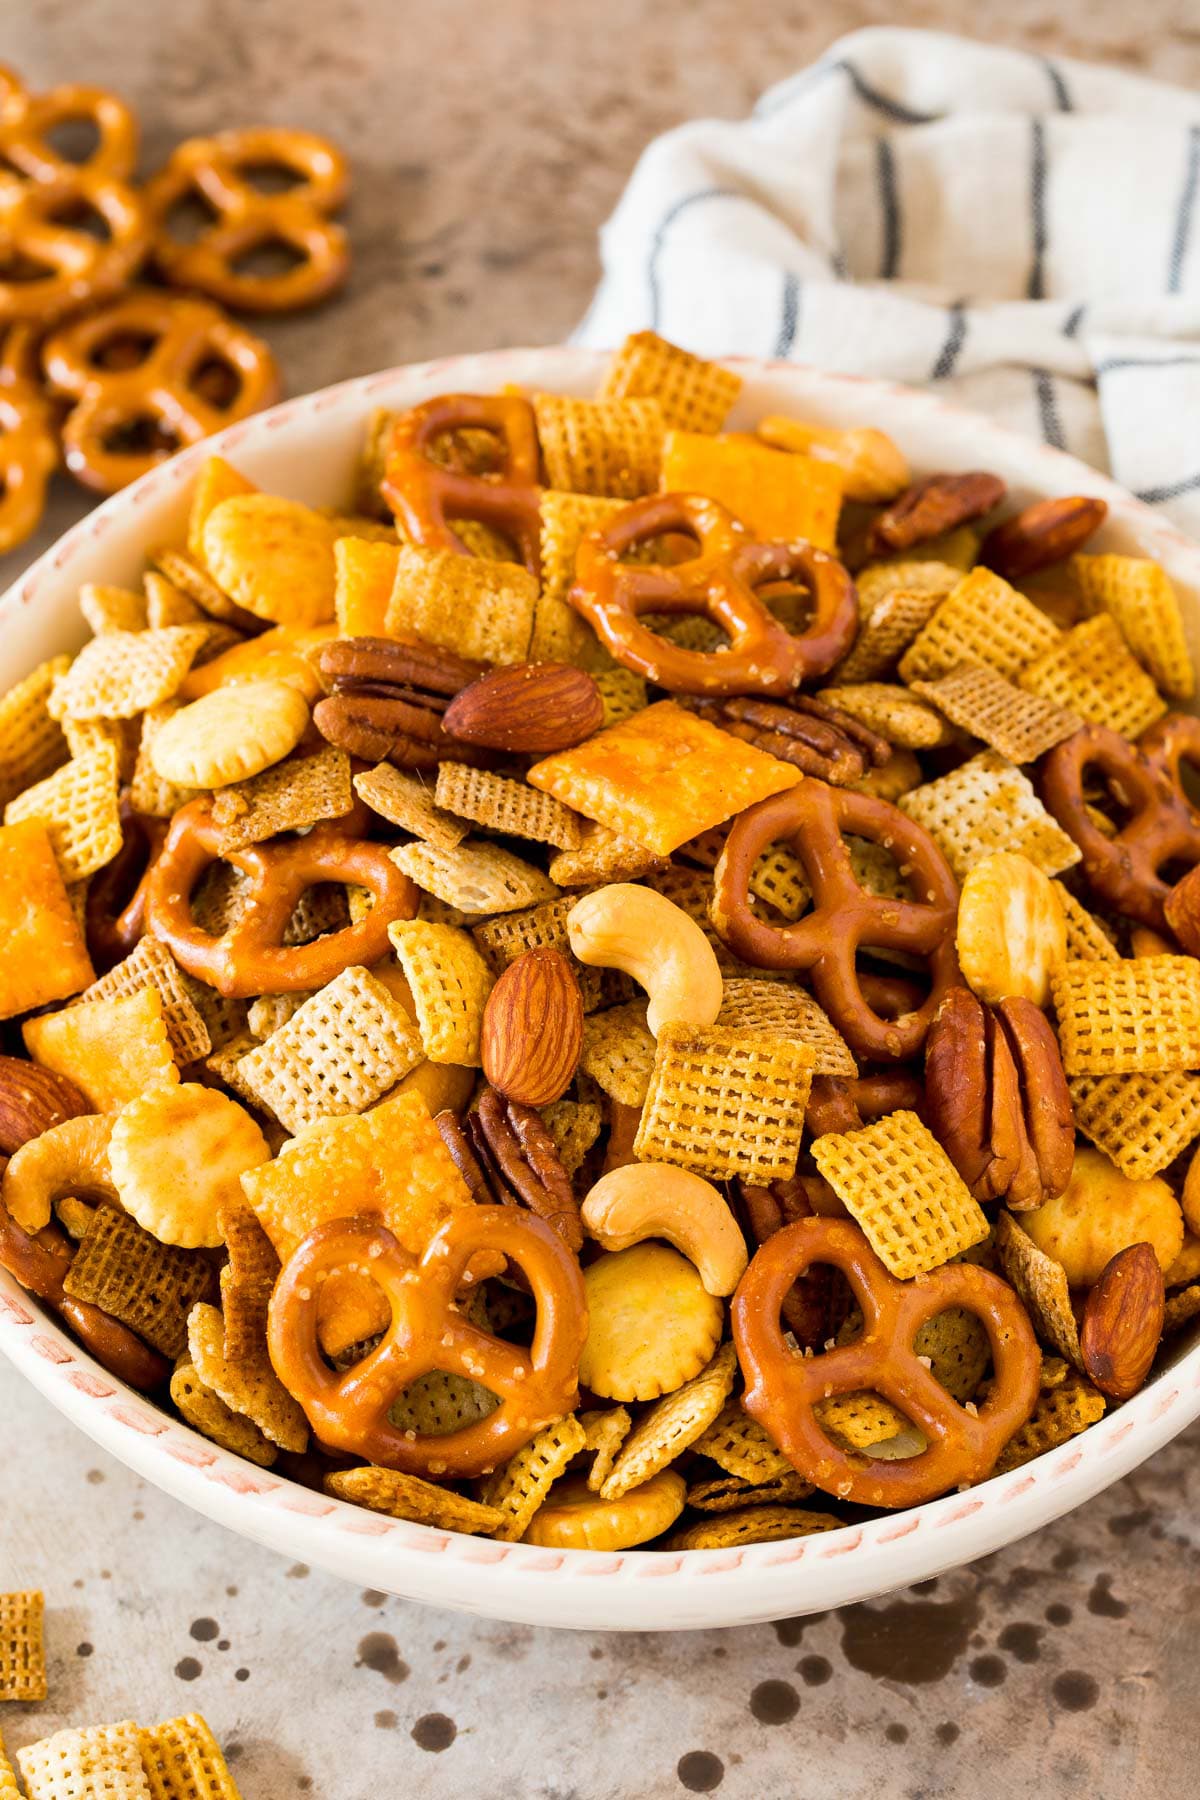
(71, 1158)
(649, 937)
(658, 1200)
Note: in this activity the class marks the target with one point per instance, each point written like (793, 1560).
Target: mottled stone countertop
(488, 143)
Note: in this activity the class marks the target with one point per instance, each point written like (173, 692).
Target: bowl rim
(741, 1582)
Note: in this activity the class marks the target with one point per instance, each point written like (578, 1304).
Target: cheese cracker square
(661, 777)
(776, 493)
(43, 956)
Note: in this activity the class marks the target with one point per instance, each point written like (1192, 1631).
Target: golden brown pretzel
(719, 583)
(349, 1411)
(27, 120)
(247, 218)
(62, 265)
(844, 918)
(427, 497)
(251, 957)
(1159, 826)
(177, 341)
(28, 439)
(783, 1387)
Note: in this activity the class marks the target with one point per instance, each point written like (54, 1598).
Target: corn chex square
(476, 877)
(542, 927)
(31, 743)
(510, 808)
(106, 608)
(987, 805)
(1123, 1018)
(450, 984)
(405, 800)
(120, 674)
(22, 1652)
(183, 1761)
(78, 806)
(694, 394)
(150, 964)
(618, 1052)
(1087, 939)
(895, 602)
(900, 1185)
(99, 1762)
(607, 447)
(777, 1009)
(982, 620)
(1139, 595)
(726, 1102)
(341, 1050)
(559, 633)
(1061, 1413)
(622, 693)
(1091, 671)
(403, 1496)
(150, 792)
(470, 604)
(520, 1487)
(662, 777)
(149, 1286)
(1141, 1122)
(292, 795)
(1019, 725)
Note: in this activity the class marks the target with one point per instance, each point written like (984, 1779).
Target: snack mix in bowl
(638, 985)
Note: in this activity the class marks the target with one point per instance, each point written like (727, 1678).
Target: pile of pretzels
(115, 346)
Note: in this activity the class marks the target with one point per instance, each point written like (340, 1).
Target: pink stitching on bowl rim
(95, 1389)
(47, 1348)
(838, 1545)
(901, 1528)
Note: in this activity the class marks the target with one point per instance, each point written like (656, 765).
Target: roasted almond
(533, 1028)
(1044, 533)
(32, 1099)
(1123, 1322)
(534, 707)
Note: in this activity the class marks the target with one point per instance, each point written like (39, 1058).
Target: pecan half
(813, 1306)
(506, 1156)
(806, 731)
(1123, 1322)
(1044, 533)
(842, 1103)
(387, 700)
(997, 1099)
(931, 507)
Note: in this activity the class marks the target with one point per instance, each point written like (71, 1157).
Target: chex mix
(504, 975)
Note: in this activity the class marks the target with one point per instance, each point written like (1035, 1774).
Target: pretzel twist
(27, 120)
(782, 1387)
(1161, 826)
(251, 958)
(28, 440)
(247, 219)
(427, 497)
(166, 385)
(115, 909)
(349, 1411)
(844, 918)
(719, 583)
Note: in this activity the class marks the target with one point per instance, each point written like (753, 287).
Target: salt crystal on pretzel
(468, 604)
(985, 805)
(507, 807)
(898, 1182)
(1139, 595)
(671, 1426)
(450, 984)
(982, 620)
(104, 1761)
(1122, 1018)
(694, 394)
(604, 447)
(726, 1101)
(1141, 1122)
(79, 808)
(22, 1652)
(779, 495)
(113, 1049)
(131, 1276)
(344, 1048)
(1019, 725)
(476, 877)
(661, 777)
(752, 1525)
(1091, 671)
(120, 674)
(44, 956)
(775, 1008)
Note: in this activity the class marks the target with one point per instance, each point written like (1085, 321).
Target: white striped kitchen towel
(1021, 232)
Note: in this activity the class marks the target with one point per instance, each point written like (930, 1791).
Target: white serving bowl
(307, 449)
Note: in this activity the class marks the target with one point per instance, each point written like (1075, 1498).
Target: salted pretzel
(427, 497)
(251, 958)
(719, 583)
(28, 440)
(219, 170)
(27, 121)
(812, 818)
(349, 1411)
(178, 343)
(62, 265)
(115, 909)
(783, 1387)
(1160, 825)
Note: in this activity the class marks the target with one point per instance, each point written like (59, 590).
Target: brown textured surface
(487, 145)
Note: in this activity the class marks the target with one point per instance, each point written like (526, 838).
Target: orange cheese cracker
(364, 575)
(279, 655)
(391, 1163)
(43, 956)
(217, 481)
(113, 1050)
(778, 494)
(662, 776)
